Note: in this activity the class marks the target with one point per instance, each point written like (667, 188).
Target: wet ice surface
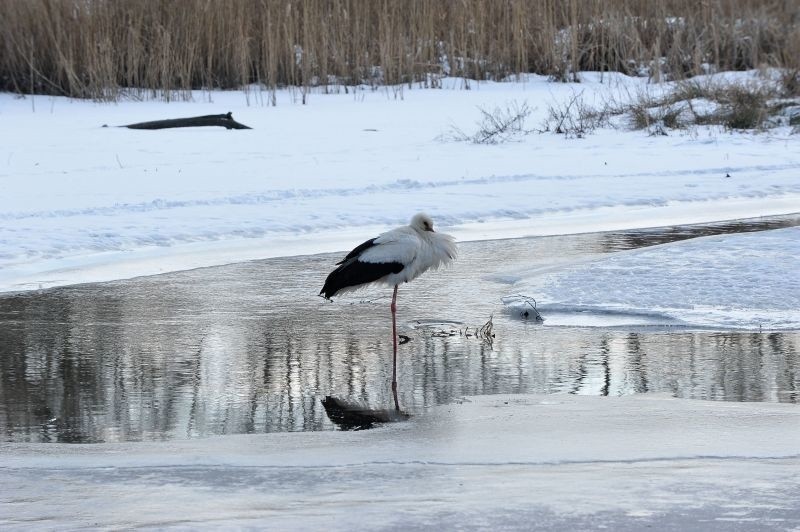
(743, 281)
(250, 348)
(518, 462)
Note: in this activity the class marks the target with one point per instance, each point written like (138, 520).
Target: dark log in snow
(225, 121)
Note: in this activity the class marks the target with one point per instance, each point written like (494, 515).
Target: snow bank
(79, 202)
(735, 281)
(518, 462)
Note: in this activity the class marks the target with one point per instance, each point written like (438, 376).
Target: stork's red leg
(394, 343)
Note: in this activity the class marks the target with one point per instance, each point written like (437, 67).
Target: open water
(250, 347)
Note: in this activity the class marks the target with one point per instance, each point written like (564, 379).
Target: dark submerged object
(225, 121)
(351, 416)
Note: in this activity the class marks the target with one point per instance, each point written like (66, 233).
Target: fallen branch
(484, 332)
(225, 121)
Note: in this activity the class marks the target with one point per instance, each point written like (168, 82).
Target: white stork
(395, 257)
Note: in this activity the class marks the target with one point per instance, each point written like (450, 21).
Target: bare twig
(496, 126)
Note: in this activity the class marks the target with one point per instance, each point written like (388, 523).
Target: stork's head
(422, 222)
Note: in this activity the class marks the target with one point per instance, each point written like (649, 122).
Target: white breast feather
(441, 250)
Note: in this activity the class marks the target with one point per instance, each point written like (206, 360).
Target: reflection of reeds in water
(95, 48)
(249, 348)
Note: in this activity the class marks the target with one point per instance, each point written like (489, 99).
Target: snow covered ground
(79, 202)
(555, 462)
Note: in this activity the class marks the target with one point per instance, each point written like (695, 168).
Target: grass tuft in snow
(502, 124)
(575, 118)
(754, 105)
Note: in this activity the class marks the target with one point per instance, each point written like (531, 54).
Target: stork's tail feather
(335, 281)
(327, 291)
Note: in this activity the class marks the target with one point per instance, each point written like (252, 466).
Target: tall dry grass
(164, 48)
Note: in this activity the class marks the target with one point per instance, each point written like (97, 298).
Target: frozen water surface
(533, 462)
(251, 348)
(200, 364)
(747, 281)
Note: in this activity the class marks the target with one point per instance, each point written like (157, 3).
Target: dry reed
(164, 48)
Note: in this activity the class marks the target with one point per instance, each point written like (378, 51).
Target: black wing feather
(353, 272)
(357, 251)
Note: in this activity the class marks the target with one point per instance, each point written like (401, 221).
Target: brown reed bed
(102, 49)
